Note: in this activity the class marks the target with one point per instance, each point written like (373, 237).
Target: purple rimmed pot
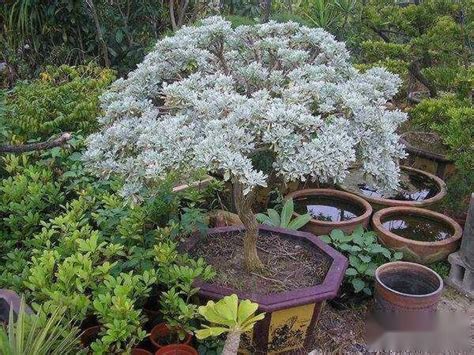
(291, 316)
(406, 296)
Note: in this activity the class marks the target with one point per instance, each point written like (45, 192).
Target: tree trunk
(243, 204)
(231, 345)
(100, 36)
(266, 6)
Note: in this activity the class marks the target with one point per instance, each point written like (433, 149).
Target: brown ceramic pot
(161, 331)
(406, 296)
(177, 349)
(378, 203)
(139, 351)
(414, 250)
(318, 227)
(437, 164)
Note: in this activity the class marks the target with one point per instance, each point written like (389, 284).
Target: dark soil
(427, 141)
(290, 264)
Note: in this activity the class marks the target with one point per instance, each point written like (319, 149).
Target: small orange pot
(161, 331)
(138, 351)
(177, 349)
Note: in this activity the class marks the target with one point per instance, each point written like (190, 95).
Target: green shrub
(376, 51)
(452, 119)
(63, 99)
(365, 255)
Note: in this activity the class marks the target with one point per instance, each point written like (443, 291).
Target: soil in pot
(417, 227)
(413, 186)
(290, 264)
(427, 141)
(328, 209)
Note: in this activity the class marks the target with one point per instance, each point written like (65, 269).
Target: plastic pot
(161, 331)
(177, 349)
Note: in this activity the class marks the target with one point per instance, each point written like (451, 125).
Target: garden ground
(342, 331)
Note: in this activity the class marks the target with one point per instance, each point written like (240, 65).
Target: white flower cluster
(211, 96)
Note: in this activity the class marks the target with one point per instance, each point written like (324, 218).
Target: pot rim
(389, 265)
(273, 302)
(422, 152)
(390, 202)
(342, 195)
(377, 224)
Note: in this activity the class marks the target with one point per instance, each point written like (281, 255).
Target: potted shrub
(213, 97)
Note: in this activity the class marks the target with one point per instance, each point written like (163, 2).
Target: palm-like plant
(31, 334)
(274, 219)
(231, 317)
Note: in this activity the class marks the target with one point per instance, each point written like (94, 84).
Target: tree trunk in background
(266, 6)
(231, 345)
(100, 36)
(243, 204)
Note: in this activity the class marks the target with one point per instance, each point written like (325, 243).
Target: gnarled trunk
(243, 204)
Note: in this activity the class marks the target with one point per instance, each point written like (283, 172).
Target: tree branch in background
(100, 36)
(22, 148)
(415, 71)
(266, 6)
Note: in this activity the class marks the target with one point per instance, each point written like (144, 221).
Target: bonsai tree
(231, 317)
(214, 97)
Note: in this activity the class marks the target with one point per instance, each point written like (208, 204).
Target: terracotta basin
(379, 202)
(406, 296)
(319, 227)
(437, 164)
(424, 252)
(291, 316)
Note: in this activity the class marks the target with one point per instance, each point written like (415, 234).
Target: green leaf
(299, 221)
(246, 310)
(358, 284)
(286, 213)
(351, 272)
(274, 216)
(326, 239)
(365, 258)
(337, 235)
(263, 219)
(398, 255)
(119, 36)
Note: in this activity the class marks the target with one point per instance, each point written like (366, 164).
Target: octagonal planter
(319, 227)
(291, 316)
(424, 252)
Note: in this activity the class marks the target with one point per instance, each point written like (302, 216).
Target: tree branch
(414, 69)
(22, 148)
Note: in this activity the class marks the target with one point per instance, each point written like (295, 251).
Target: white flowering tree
(212, 97)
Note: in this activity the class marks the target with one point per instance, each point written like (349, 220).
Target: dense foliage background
(68, 238)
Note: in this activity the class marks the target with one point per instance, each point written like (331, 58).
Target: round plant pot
(380, 202)
(291, 316)
(419, 158)
(420, 251)
(139, 351)
(160, 332)
(177, 349)
(319, 227)
(406, 296)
